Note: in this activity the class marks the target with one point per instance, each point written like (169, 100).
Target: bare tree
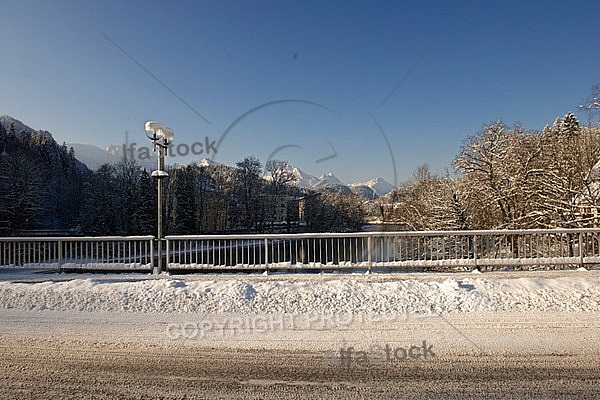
(281, 175)
(248, 185)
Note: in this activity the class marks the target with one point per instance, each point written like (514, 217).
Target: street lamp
(161, 138)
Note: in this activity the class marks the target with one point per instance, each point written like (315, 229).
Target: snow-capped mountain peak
(18, 126)
(379, 186)
(303, 179)
(206, 162)
(330, 178)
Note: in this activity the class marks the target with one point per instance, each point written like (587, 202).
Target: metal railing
(463, 249)
(307, 251)
(78, 253)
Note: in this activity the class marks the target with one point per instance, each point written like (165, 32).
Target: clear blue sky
(526, 61)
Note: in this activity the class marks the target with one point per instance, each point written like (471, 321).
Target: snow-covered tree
(591, 104)
(427, 202)
(493, 182)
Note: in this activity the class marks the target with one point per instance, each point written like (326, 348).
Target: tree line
(507, 178)
(44, 188)
(220, 198)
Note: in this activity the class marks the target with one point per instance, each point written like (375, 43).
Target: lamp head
(159, 174)
(158, 130)
(153, 126)
(166, 133)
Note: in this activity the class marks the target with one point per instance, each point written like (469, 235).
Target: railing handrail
(72, 238)
(323, 235)
(319, 235)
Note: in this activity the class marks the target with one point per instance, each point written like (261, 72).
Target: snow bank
(376, 294)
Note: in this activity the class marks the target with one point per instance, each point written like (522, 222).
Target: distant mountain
(328, 179)
(18, 126)
(94, 156)
(206, 162)
(305, 180)
(330, 183)
(372, 189)
(90, 155)
(41, 181)
(302, 179)
(363, 191)
(379, 186)
(23, 133)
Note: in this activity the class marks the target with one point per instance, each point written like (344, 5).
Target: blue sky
(512, 60)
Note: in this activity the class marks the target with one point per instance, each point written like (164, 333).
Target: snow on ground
(537, 312)
(380, 294)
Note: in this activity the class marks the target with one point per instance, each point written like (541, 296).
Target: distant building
(588, 201)
(280, 209)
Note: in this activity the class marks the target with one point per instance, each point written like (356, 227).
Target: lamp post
(161, 138)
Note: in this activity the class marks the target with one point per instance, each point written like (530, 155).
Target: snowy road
(39, 369)
(275, 336)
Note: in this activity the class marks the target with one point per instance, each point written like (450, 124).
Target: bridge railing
(308, 251)
(78, 253)
(468, 249)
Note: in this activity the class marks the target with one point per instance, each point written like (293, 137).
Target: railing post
(475, 251)
(60, 255)
(152, 255)
(167, 258)
(266, 255)
(369, 251)
(581, 249)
